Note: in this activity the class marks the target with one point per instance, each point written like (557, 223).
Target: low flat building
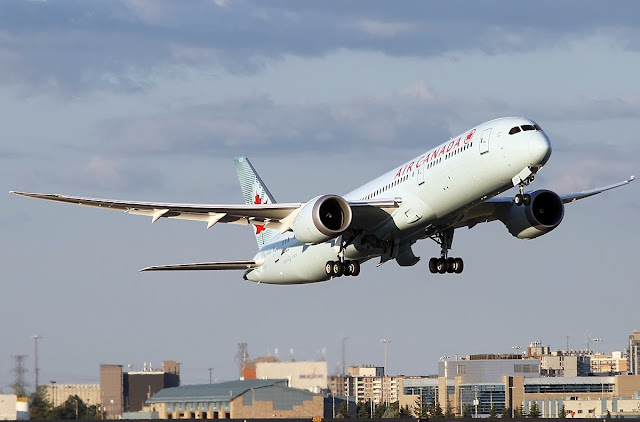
(13, 408)
(57, 394)
(244, 399)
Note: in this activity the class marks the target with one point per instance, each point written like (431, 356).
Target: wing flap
(207, 266)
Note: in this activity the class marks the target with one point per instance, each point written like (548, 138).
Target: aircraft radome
(450, 186)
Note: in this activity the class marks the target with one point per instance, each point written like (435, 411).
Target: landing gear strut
(445, 264)
(341, 266)
(523, 198)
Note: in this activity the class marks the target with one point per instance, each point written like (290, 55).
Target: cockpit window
(514, 130)
(537, 127)
(528, 127)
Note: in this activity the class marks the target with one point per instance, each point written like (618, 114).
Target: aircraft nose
(539, 148)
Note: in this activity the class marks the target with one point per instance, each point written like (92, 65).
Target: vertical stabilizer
(255, 192)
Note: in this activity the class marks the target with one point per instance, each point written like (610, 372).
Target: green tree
(74, 408)
(608, 417)
(563, 412)
(343, 411)
(534, 411)
(448, 413)
(492, 412)
(40, 407)
(437, 411)
(392, 410)
(379, 410)
(421, 410)
(363, 409)
(518, 413)
(466, 411)
(405, 412)
(506, 413)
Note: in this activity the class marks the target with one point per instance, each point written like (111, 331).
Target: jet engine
(322, 218)
(543, 214)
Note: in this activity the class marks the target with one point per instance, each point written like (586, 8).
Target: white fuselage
(436, 189)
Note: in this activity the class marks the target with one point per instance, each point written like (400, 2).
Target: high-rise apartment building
(634, 353)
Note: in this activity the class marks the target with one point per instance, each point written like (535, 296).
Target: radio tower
(19, 384)
(242, 356)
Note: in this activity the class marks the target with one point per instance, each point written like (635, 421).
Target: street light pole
(384, 374)
(35, 340)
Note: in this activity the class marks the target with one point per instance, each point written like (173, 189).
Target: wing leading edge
(277, 216)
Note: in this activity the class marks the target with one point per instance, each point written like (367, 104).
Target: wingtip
(632, 178)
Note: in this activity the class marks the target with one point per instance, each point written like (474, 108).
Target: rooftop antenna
(291, 354)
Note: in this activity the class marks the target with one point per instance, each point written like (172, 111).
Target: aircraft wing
(220, 265)
(277, 216)
(570, 197)
(496, 208)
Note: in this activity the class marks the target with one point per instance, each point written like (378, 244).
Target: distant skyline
(150, 100)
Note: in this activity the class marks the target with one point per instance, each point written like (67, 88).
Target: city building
(614, 363)
(13, 408)
(565, 364)
(243, 399)
(634, 353)
(127, 391)
(306, 375)
(57, 394)
(364, 383)
(512, 383)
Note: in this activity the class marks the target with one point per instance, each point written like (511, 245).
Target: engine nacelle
(323, 218)
(543, 214)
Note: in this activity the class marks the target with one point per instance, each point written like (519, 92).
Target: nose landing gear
(523, 198)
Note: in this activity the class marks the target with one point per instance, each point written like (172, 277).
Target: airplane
(451, 186)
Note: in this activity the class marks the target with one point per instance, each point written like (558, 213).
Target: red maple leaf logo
(257, 201)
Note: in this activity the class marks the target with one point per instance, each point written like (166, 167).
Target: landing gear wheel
(459, 265)
(353, 267)
(451, 262)
(519, 199)
(347, 268)
(338, 269)
(526, 200)
(328, 268)
(442, 265)
(433, 265)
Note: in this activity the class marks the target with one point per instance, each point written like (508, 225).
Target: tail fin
(254, 192)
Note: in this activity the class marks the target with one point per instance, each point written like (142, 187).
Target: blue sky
(150, 100)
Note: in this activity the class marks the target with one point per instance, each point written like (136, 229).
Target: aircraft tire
(518, 200)
(459, 265)
(354, 268)
(328, 268)
(526, 200)
(338, 269)
(347, 268)
(433, 265)
(451, 265)
(442, 265)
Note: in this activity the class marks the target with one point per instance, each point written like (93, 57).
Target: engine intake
(543, 214)
(322, 218)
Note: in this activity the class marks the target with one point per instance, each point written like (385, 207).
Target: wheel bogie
(446, 265)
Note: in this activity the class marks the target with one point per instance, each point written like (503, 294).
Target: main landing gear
(523, 198)
(445, 264)
(339, 268)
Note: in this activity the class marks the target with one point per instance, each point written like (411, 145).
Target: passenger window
(514, 130)
(528, 127)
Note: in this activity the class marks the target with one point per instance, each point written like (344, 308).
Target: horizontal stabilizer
(208, 266)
